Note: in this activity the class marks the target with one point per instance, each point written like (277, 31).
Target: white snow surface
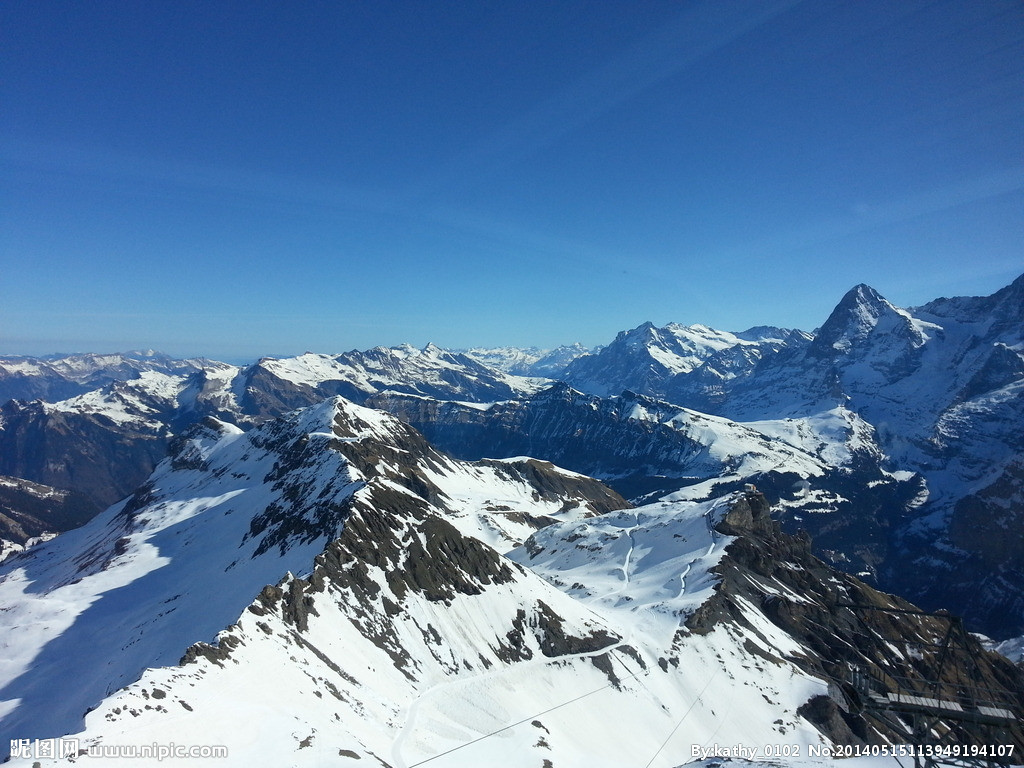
(384, 368)
(337, 698)
(112, 607)
(646, 569)
(486, 505)
(135, 587)
(135, 401)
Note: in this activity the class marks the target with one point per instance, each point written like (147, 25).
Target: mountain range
(455, 555)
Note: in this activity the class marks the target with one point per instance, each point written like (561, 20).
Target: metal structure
(940, 699)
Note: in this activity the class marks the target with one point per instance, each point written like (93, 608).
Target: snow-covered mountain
(106, 440)
(665, 362)
(824, 471)
(529, 361)
(893, 435)
(153, 389)
(328, 588)
(273, 385)
(58, 377)
(228, 513)
(943, 387)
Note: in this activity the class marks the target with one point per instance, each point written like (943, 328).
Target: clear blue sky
(238, 179)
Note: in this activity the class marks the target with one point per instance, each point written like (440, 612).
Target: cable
(525, 719)
(687, 712)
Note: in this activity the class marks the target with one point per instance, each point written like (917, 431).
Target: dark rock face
(990, 522)
(28, 509)
(584, 433)
(84, 452)
(20, 386)
(547, 628)
(765, 567)
(215, 653)
(985, 571)
(266, 395)
(748, 515)
(396, 547)
(827, 717)
(1002, 367)
(855, 528)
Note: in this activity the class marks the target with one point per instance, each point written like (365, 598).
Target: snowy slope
(506, 670)
(153, 574)
(357, 564)
(228, 513)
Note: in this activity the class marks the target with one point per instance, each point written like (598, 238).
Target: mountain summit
(860, 314)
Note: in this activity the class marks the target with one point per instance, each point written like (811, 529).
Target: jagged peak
(339, 417)
(854, 317)
(1009, 302)
(864, 296)
(644, 329)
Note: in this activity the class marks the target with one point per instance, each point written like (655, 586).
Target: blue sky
(240, 179)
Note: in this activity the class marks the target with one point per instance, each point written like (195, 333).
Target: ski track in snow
(714, 543)
(682, 577)
(629, 554)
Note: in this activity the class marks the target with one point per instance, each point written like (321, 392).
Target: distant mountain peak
(853, 319)
(864, 296)
(527, 361)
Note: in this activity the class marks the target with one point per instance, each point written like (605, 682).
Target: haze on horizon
(247, 179)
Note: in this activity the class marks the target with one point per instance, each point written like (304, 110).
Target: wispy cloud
(239, 183)
(697, 32)
(880, 213)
